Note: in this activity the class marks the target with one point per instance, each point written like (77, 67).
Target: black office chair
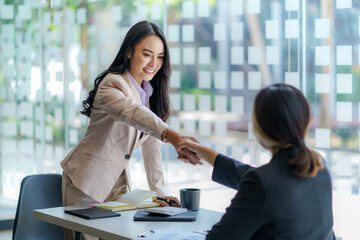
(36, 192)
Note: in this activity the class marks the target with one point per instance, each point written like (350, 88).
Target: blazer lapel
(136, 97)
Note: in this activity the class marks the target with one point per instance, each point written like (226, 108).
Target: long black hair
(281, 118)
(159, 100)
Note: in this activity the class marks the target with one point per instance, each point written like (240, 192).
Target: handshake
(188, 148)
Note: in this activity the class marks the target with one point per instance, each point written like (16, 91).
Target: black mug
(190, 198)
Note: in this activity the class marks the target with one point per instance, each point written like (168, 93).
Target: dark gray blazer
(271, 203)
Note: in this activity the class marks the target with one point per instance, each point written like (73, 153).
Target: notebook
(92, 213)
(168, 211)
(189, 216)
(135, 199)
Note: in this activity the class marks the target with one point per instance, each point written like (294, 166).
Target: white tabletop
(123, 227)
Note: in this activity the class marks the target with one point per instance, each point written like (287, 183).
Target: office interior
(222, 53)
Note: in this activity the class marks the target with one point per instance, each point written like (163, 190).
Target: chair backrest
(36, 192)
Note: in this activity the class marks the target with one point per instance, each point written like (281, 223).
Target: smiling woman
(127, 108)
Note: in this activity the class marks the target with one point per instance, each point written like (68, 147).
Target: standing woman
(128, 108)
(288, 198)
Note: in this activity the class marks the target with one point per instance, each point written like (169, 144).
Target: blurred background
(222, 53)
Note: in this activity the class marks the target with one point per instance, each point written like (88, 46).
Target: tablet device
(92, 213)
(141, 215)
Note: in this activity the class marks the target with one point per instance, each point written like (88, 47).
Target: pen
(144, 234)
(170, 201)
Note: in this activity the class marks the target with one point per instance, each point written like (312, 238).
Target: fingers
(177, 204)
(162, 203)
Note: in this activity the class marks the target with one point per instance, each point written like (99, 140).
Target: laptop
(141, 215)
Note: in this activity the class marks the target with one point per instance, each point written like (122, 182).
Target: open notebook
(135, 199)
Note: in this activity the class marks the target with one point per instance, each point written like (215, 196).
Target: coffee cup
(190, 198)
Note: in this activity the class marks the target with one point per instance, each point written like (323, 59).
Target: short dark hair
(159, 100)
(281, 118)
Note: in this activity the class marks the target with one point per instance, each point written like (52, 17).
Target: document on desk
(162, 234)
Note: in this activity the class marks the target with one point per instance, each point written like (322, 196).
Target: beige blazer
(117, 119)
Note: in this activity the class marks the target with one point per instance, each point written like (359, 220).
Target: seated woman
(288, 198)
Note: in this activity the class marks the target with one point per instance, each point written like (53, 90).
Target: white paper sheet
(189, 102)
(58, 114)
(205, 79)
(322, 28)
(175, 80)
(27, 147)
(155, 13)
(236, 7)
(322, 83)
(81, 15)
(237, 80)
(272, 55)
(344, 83)
(73, 136)
(188, 9)
(26, 128)
(8, 32)
(220, 80)
(292, 78)
(189, 55)
(24, 12)
(175, 101)
(9, 129)
(7, 12)
(237, 104)
(237, 31)
(141, 12)
(8, 50)
(49, 134)
(188, 33)
(220, 104)
(57, 18)
(254, 80)
(322, 55)
(220, 128)
(70, 16)
(204, 55)
(204, 128)
(292, 28)
(344, 111)
(26, 110)
(322, 138)
(189, 126)
(174, 123)
(116, 13)
(341, 4)
(8, 109)
(203, 8)
(272, 29)
(343, 55)
(237, 55)
(204, 103)
(254, 55)
(175, 55)
(219, 32)
(253, 7)
(291, 5)
(173, 35)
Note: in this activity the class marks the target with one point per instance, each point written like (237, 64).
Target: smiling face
(146, 59)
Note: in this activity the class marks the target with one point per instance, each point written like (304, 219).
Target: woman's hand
(165, 204)
(201, 151)
(184, 154)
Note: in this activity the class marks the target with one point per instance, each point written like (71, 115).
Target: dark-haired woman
(128, 108)
(288, 198)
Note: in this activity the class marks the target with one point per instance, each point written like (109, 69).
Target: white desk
(123, 227)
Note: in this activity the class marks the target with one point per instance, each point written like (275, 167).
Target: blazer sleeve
(246, 214)
(228, 171)
(153, 165)
(114, 97)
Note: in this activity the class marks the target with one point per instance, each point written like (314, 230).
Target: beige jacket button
(127, 156)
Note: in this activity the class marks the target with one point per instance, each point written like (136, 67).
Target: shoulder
(117, 81)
